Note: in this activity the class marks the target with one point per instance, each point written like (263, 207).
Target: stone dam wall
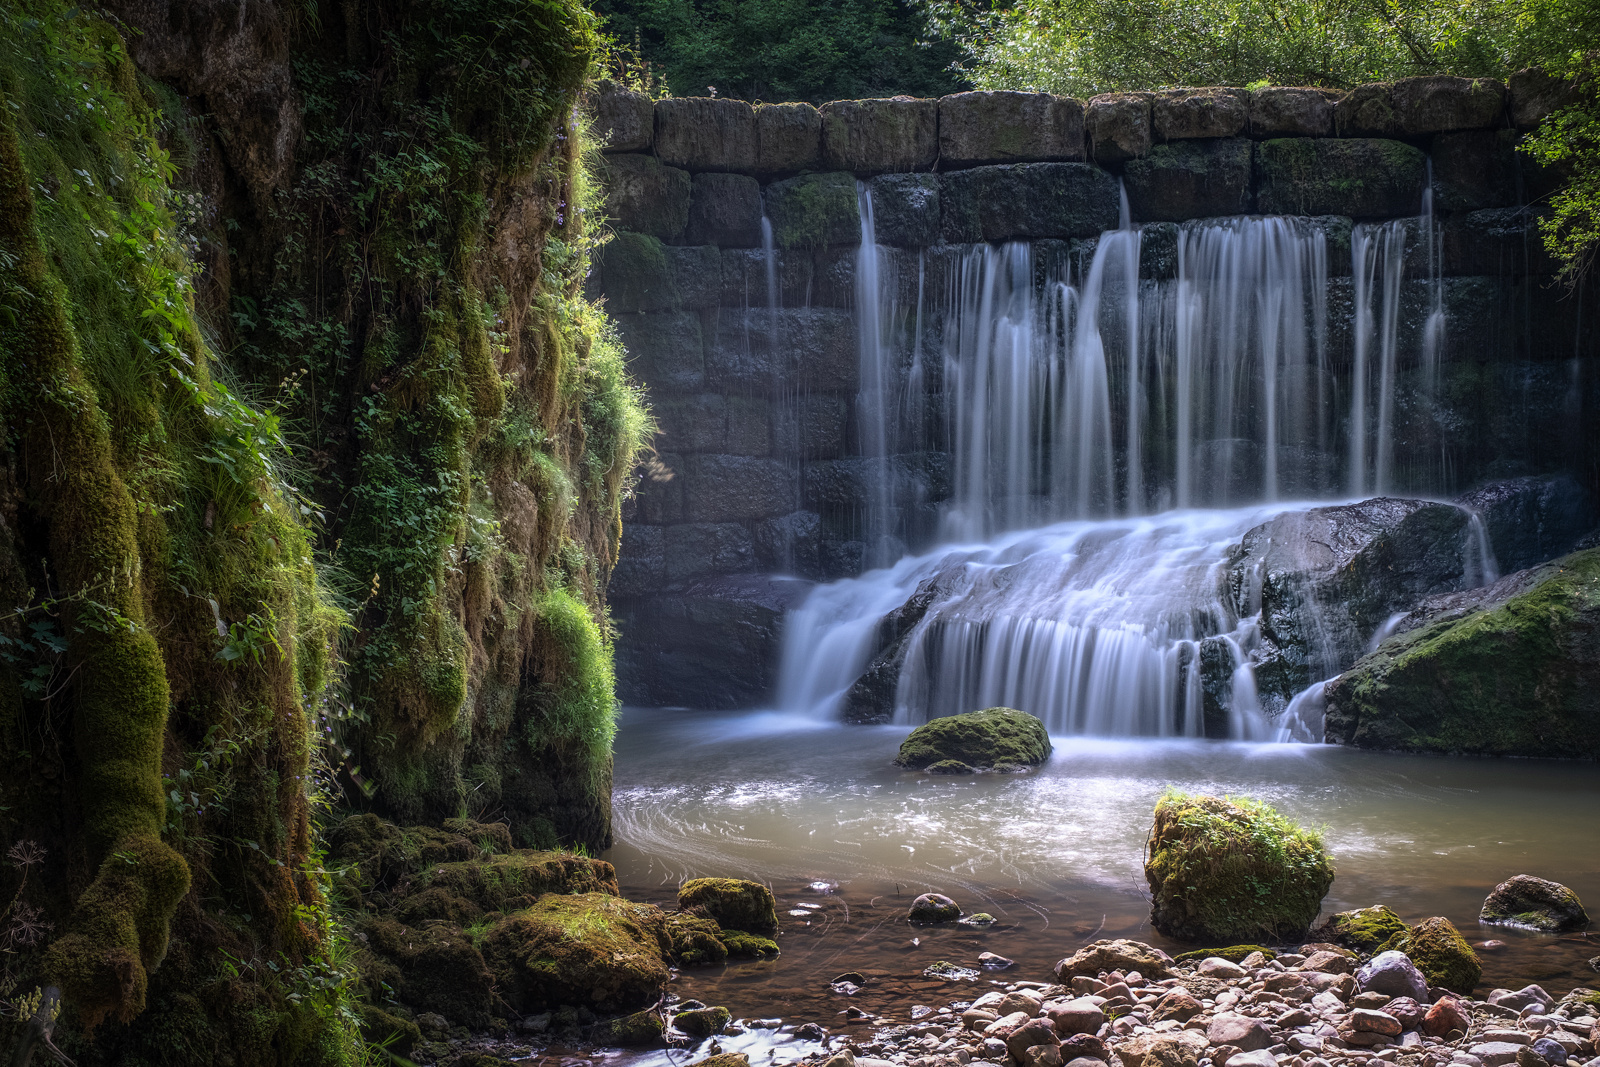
(733, 278)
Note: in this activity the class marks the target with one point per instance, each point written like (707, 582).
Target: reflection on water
(1057, 854)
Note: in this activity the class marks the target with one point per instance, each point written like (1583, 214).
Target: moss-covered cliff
(309, 488)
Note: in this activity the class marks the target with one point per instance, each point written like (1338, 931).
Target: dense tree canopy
(779, 50)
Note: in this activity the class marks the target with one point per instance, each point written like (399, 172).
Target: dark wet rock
(735, 903)
(632, 272)
(1183, 114)
(1027, 200)
(667, 350)
(788, 138)
(950, 972)
(724, 210)
(880, 136)
(624, 120)
(871, 698)
(993, 961)
(642, 1029)
(905, 209)
(950, 766)
(696, 273)
(1364, 929)
(1191, 179)
(702, 1022)
(1392, 974)
(1509, 669)
(758, 353)
(1496, 242)
(1442, 103)
(989, 738)
(1534, 904)
(1366, 111)
(1118, 126)
(1475, 169)
(1364, 178)
(1119, 954)
(706, 133)
(810, 1032)
(1279, 111)
(1008, 127)
(933, 908)
(644, 195)
(1533, 519)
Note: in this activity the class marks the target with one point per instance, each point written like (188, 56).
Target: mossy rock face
(1440, 953)
(1225, 869)
(1233, 953)
(1534, 904)
(1364, 929)
(510, 882)
(432, 968)
(696, 941)
(949, 766)
(734, 903)
(383, 854)
(993, 737)
(1514, 670)
(586, 949)
(743, 946)
(379, 1027)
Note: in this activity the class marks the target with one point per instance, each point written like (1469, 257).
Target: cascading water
(1082, 398)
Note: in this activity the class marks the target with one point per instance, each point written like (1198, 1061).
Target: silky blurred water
(818, 811)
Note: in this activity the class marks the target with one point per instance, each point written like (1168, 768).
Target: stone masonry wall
(755, 473)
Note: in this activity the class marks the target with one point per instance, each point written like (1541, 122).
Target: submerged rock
(1221, 869)
(994, 737)
(1534, 904)
(735, 904)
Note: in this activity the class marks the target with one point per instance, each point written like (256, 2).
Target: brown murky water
(845, 839)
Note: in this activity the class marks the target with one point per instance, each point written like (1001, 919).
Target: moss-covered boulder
(1364, 929)
(586, 949)
(734, 903)
(696, 941)
(432, 967)
(1233, 953)
(702, 1022)
(743, 946)
(514, 881)
(1509, 670)
(933, 908)
(993, 737)
(1227, 869)
(642, 1029)
(1534, 904)
(387, 1030)
(373, 853)
(1440, 953)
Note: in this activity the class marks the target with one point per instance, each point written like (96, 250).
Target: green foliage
(779, 50)
(576, 705)
(1221, 869)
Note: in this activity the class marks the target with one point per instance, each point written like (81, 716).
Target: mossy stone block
(1027, 200)
(1004, 126)
(734, 903)
(634, 274)
(696, 940)
(1190, 179)
(1221, 869)
(788, 138)
(814, 211)
(1364, 178)
(1441, 103)
(724, 210)
(645, 195)
(512, 881)
(993, 737)
(880, 136)
(706, 133)
(905, 209)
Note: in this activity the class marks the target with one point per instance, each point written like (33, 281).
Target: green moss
(509, 882)
(696, 941)
(1233, 953)
(993, 737)
(949, 766)
(1222, 868)
(635, 272)
(1440, 953)
(743, 946)
(702, 1022)
(814, 211)
(589, 949)
(642, 1029)
(395, 1035)
(735, 904)
(1365, 929)
(1515, 678)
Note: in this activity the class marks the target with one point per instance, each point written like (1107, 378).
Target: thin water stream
(845, 839)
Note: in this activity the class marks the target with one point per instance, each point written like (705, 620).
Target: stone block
(747, 426)
(1025, 200)
(812, 426)
(641, 562)
(1496, 243)
(905, 209)
(696, 272)
(1187, 114)
(694, 549)
(1441, 103)
(789, 544)
(1365, 178)
(1190, 180)
(1532, 94)
(634, 275)
(665, 350)
(1158, 251)
(624, 121)
(1117, 126)
(812, 348)
(1366, 111)
(1008, 127)
(788, 138)
(732, 488)
(645, 196)
(658, 498)
(1279, 111)
(814, 211)
(724, 210)
(1475, 169)
(691, 423)
(706, 133)
(833, 282)
(744, 277)
(880, 136)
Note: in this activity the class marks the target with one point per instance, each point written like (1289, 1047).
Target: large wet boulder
(993, 737)
(735, 903)
(1027, 200)
(590, 950)
(1119, 954)
(1440, 953)
(1534, 904)
(1224, 870)
(1363, 929)
(1190, 180)
(1364, 178)
(1533, 519)
(1510, 669)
